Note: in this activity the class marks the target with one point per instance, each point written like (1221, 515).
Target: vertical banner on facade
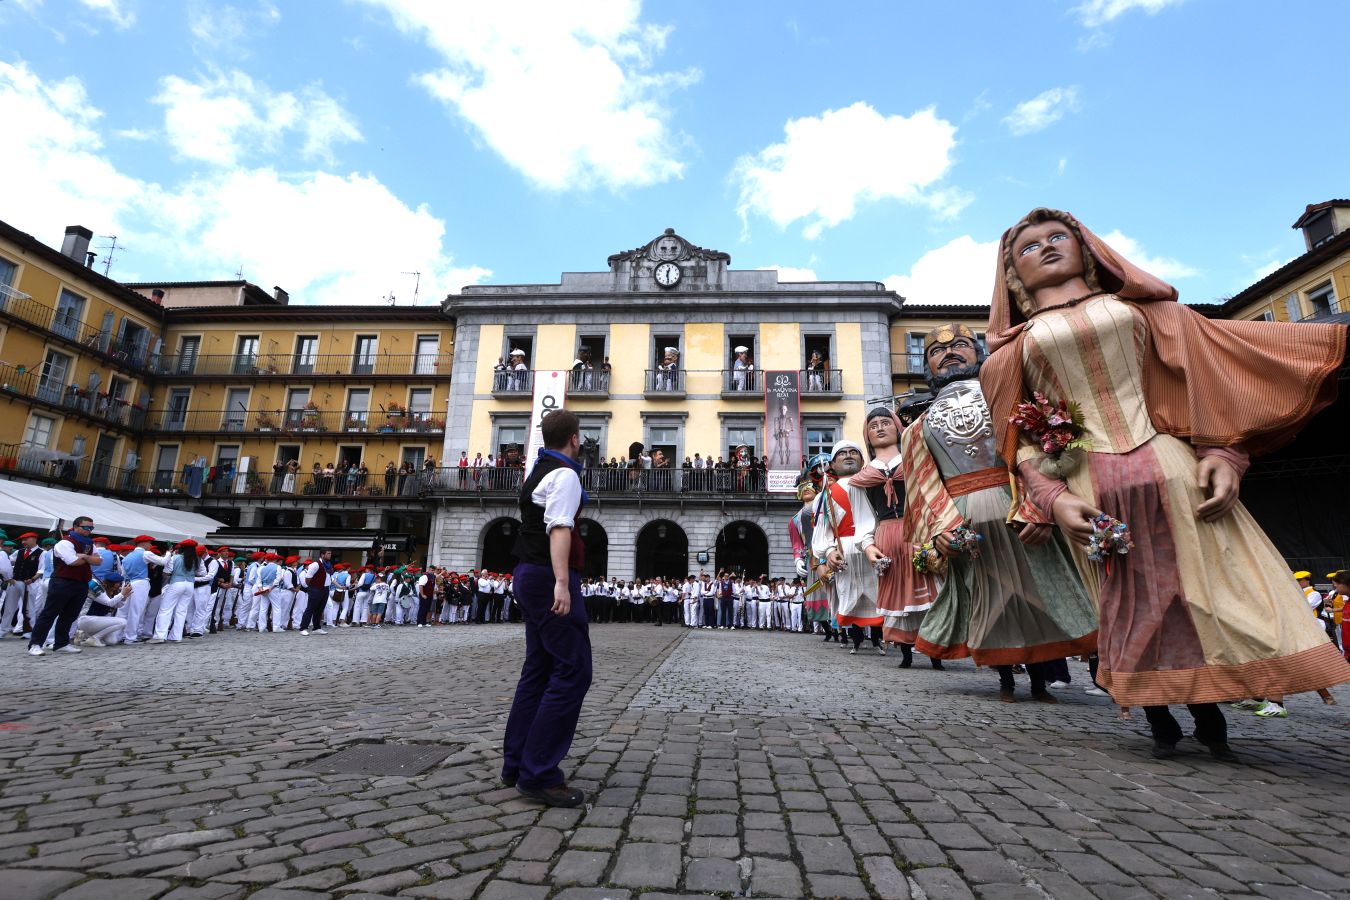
(550, 390)
(782, 430)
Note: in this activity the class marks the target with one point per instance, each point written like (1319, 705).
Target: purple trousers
(553, 681)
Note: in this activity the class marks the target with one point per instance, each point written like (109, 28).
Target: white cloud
(830, 164)
(133, 134)
(112, 10)
(1272, 266)
(222, 26)
(960, 272)
(1042, 111)
(327, 238)
(1096, 13)
(564, 92)
(793, 273)
(1164, 267)
(220, 119)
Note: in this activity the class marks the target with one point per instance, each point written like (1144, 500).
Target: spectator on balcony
(817, 369)
(477, 466)
(278, 476)
(463, 466)
(583, 372)
(743, 370)
(390, 477)
(499, 375)
(519, 371)
(328, 473)
(353, 478)
(292, 475)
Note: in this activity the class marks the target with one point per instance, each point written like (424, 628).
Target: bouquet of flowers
(928, 561)
(966, 541)
(1059, 430)
(1109, 537)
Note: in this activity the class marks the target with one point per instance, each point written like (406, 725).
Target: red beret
(142, 539)
(100, 540)
(188, 544)
(28, 534)
(292, 560)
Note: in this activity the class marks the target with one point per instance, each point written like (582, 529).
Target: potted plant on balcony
(396, 410)
(435, 425)
(266, 422)
(355, 423)
(309, 417)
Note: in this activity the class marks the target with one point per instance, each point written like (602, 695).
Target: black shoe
(905, 663)
(937, 664)
(1224, 753)
(1163, 750)
(558, 795)
(510, 780)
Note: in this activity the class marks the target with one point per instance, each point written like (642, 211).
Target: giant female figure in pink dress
(1202, 610)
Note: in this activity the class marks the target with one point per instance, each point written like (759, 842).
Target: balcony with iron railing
(588, 383)
(667, 483)
(821, 382)
(229, 483)
(95, 406)
(20, 308)
(306, 420)
(508, 383)
(743, 384)
(292, 366)
(663, 384)
(1322, 312)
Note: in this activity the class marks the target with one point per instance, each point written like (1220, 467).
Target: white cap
(672, 350)
(742, 349)
(844, 445)
(517, 353)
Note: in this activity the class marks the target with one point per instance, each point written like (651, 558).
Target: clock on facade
(667, 274)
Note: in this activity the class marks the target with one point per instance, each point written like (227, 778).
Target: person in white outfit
(267, 584)
(27, 573)
(136, 572)
(175, 598)
(247, 612)
(796, 601)
(203, 593)
(281, 599)
(365, 580)
(12, 593)
(105, 630)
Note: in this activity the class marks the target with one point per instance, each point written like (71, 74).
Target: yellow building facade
(1311, 287)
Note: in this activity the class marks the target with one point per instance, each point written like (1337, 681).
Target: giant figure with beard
(1020, 600)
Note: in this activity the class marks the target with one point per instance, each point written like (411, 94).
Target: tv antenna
(109, 249)
(416, 284)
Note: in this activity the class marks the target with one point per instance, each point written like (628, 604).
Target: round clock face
(667, 274)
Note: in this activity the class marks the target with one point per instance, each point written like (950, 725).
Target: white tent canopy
(29, 505)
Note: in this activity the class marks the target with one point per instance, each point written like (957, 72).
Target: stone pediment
(668, 246)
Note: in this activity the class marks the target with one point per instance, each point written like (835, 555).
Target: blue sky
(329, 147)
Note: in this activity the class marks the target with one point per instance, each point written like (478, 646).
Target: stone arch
(662, 550)
(496, 547)
(743, 549)
(596, 540)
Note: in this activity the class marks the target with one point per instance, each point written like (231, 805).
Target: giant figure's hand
(943, 543)
(801, 568)
(874, 554)
(1033, 535)
(1074, 517)
(1218, 481)
(835, 560)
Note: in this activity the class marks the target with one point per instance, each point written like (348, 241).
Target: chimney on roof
(280, 296)
(76, 243)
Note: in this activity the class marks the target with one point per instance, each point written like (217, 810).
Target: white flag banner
(550, 391)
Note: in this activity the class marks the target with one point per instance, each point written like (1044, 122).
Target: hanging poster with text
(550, 390)
(782, 430)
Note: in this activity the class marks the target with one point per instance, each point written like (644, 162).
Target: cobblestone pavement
(718, 764)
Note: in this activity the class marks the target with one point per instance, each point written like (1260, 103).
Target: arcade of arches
(661, 545)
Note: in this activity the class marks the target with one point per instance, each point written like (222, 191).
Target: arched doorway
(499, 538)
(743, 549)
(596, 540)
(662, 550)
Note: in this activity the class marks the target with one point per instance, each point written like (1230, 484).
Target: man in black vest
(547, 585)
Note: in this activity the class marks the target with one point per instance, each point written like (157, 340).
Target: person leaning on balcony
(463, 466)
(390, 476)
(815, 371)
(292, 471)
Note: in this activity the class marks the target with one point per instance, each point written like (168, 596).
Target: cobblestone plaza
(716, 764)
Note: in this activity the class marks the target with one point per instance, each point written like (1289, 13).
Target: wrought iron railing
(503, 480)
(303, 420)
(16, 305)
(291, 365)
(663, 381)
(95, 405)
(822, 381)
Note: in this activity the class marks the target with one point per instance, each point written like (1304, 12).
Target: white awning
(31, 505)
